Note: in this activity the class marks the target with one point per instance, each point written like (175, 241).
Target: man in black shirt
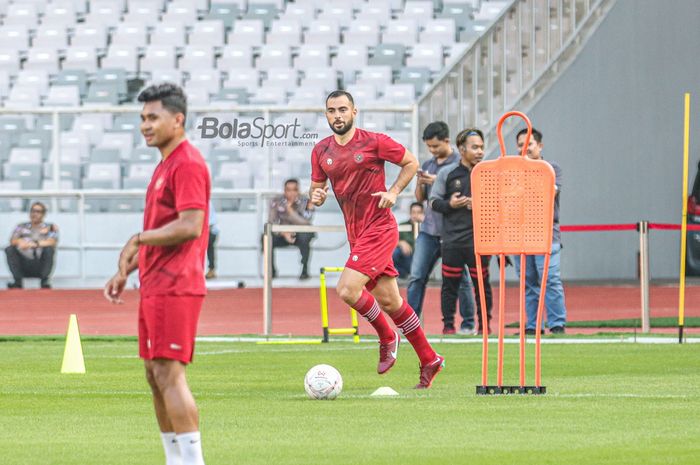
(451, 196)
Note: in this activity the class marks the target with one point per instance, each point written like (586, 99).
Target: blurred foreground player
(353, 159)
(169, 253)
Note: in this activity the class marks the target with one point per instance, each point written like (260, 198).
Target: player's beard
(344, 129)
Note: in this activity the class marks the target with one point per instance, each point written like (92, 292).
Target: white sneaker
(467, 331)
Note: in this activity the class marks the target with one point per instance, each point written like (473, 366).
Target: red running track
(296, 311)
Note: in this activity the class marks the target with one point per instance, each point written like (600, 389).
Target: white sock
(191, 448)
(172, 449)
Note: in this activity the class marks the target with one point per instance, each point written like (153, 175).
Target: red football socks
(408, 323)
(368, 308)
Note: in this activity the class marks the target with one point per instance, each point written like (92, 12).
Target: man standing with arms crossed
(436, 136)
(169, 254)
(353, 160)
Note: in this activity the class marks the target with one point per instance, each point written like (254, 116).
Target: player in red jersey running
(353, 160)
(169, 254)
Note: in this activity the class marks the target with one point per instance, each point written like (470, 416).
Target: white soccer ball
(323, 382)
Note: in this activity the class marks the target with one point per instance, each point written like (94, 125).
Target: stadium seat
(303, 13)
(182, 11)
(420, 11)
(323, 78)
(9, 61)
(265, 12)
(401, 31)
(50, 35)
(248, 79)
(247, 32)
(25, 156)
(196, 57)
(230, 94)
(122, 56)
(207, 33)
(426, 55)
(145, 13)
(323, 32)
(364, 32)
(68, 171)
(83, 58)
(390, 55)
(42, 58)
(107, 13)
(129, 33)
(23, 96)
(59, 95)
(439, 31)
(208, 79)
(288, 78)
(37, 78)
(341, 13)
(103, 93)
(490, 10)
(402, 94)
(235, 56)
(60, 13)
(285, 31)
(122, 141)
(40, 140)
(363, 94)
(14, 37)
(10, 205)
(102, 176)
(226, 13)
(114, 76)
(378, 10)
(77, 77)
(378, 75)
(312, 56)
(168, 34)
(94, 35)
(166, 75)
(147, 155)
(269, 95)
(22, 13)
(418, 76)
(157, 57)
(461, 13)
(274, 56)
(90, 124)
(104, 155)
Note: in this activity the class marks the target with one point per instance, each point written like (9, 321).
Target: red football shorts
(168, 325)
(371, 254)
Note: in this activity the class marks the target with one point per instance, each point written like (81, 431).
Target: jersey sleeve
(317, 174)
(190, 182)
(390, 150)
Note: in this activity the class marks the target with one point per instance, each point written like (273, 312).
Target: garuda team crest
(358, 158)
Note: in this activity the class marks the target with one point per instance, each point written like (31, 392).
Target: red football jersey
(180, 182)
(356, 171)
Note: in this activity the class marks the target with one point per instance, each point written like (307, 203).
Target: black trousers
(454, 259)
(21, 266)
(301, 241)
(211, 251)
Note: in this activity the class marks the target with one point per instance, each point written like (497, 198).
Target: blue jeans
(554, 295)
(402, 262)
(425, 255)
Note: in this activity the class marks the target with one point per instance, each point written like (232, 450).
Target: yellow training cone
(73, 354)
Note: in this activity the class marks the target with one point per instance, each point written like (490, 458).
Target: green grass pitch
(606, 404)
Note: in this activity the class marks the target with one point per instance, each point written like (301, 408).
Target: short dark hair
(341, 93)
(291, 181)
(436, 129)
(537, 135)
(35, 204)
(465, 133)
(170, 95)
(416, 204)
